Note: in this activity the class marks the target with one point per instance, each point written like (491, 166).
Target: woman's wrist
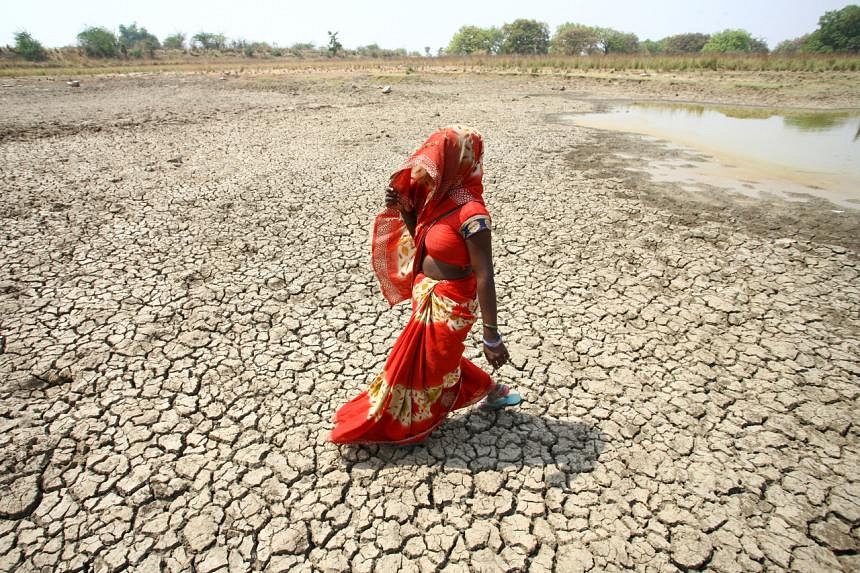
(492, 342)
(491, 331)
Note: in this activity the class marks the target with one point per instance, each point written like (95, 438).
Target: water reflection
(802, 120)
(818, 121)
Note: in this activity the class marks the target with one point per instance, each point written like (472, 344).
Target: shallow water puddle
(758, 152)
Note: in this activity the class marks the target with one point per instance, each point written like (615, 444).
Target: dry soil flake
(574, 559)
(19, 498)
(200, 532)
(691, 549)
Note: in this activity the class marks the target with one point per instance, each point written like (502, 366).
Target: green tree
(615, 42)
(574, 39)
(685, 43)
(653, 46)
(525, 37)
(758, 46)
(98, 42)
(475, 40)
(29, 48)
(838, 31)
(137, 41)
(175, 41)
(334, 46)
(793, 46)
(731, 41)
(209, 41)
(134, 37)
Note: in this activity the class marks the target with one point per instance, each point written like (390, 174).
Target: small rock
(386, 90)
(73, 83)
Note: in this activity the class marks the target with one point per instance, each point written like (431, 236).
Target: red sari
(425, 376)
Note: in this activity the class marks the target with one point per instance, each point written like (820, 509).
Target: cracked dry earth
(186, 297)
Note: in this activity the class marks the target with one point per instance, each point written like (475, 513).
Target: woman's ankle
(496, 392)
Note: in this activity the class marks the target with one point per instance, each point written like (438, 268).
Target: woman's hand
(392, 199)
(497, 356)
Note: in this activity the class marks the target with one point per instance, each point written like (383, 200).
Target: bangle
(491, 326)
(495, 344)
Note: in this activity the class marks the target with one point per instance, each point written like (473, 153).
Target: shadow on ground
(480, 441)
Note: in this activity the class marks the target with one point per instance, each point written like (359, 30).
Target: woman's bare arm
(481, 257)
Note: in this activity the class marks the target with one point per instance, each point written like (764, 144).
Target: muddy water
(757, 152)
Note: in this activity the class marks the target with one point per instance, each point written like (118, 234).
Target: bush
(300, 49)
(734, 41)
(794, 46)
(208, 41)
(134, 37)
(653, 47)
(29, 48)
(98, 42)
(684, 43)
(175, 41)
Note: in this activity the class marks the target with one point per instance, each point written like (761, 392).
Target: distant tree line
(135, 41)
(838, 31)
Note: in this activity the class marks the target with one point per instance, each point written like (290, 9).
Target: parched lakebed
(186, 297)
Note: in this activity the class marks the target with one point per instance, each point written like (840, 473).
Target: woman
(432, 242)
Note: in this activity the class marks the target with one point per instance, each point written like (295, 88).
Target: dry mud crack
(186, 297)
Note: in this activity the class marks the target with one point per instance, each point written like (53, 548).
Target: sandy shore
(186, 297)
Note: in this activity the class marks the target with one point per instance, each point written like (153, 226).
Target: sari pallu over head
(444, 173)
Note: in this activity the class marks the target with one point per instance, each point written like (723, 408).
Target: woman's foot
(500, 397)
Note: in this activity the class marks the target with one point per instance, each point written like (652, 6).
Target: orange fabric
(444, 241)
(425, 376)
(446, 171)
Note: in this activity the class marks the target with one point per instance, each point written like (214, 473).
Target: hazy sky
(400, 24)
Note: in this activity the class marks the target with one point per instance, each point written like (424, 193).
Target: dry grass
(69, 63)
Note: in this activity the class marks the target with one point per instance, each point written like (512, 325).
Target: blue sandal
(505, 400)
